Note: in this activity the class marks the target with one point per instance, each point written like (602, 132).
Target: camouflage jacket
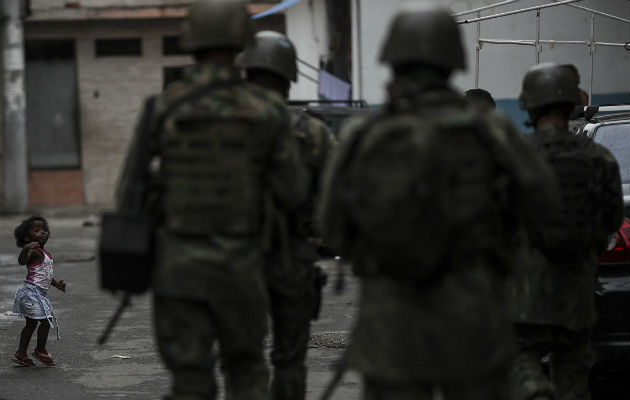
(434, 330)
(285, 270)
(560, 291)
(315, 143)
(225, 140)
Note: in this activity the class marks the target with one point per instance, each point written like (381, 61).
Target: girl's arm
(61, 285)
(28, 255)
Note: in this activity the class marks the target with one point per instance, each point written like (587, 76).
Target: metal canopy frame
(537, 43)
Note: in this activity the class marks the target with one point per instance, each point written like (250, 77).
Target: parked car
(610, 376)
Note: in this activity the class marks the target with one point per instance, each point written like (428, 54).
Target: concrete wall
(502, 67)
(306, 26)
(111, 91)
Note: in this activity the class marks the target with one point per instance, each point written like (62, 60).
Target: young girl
(30, 300)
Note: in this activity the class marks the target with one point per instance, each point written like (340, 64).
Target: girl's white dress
(31, 300)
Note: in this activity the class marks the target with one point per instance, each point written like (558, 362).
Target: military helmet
(424, 33)
(216, 23)
(271, 51)
(548, 83)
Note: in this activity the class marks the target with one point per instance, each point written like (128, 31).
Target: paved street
(128, 365)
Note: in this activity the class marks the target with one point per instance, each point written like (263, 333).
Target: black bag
(126, 252)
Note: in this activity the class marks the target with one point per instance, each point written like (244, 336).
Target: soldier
(270, 62)
(551, 296)
(420, 197)
(576, 74)
(226, 155)
(481, 99)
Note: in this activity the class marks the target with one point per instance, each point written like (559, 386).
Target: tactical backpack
(575, 224)
(420, 193)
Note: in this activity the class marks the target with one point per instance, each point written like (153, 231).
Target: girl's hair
(22, 229)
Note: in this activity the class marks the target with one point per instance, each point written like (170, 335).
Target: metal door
(51, 105)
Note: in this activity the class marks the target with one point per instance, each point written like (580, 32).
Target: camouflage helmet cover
(548, 83)
(215, 24)
(271, 51)
(424, 33)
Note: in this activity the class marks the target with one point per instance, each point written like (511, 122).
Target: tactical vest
(425, 189)
(213, 169)
(574, 225)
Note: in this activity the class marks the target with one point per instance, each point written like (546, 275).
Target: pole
(591, 51)
(603, 14)
(359, 44)
(14, 156)
(477, 53)
(522, 10)
(477, 10)
(538, 47)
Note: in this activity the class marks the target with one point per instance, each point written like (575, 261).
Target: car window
(617, 139)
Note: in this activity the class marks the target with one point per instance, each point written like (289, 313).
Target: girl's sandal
(23, 360)
(44, 358)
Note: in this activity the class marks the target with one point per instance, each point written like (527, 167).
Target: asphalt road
(128, 365)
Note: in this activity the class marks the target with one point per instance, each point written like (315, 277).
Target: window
(49, 49)
(616, 137)
(118, 47)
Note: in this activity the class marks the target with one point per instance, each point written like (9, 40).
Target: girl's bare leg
(27, 333)
(42, 335)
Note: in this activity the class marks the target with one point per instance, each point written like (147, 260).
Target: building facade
(89, 65)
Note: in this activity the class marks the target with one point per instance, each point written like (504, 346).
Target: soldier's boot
(527, 379)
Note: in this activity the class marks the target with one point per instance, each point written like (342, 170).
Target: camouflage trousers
(570, 358)
(186, 331)
(492, 386)
(291, 323)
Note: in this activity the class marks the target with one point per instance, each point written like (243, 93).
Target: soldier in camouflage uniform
(270, 62)
(551, 294)
(226, 155)
(431, 322)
